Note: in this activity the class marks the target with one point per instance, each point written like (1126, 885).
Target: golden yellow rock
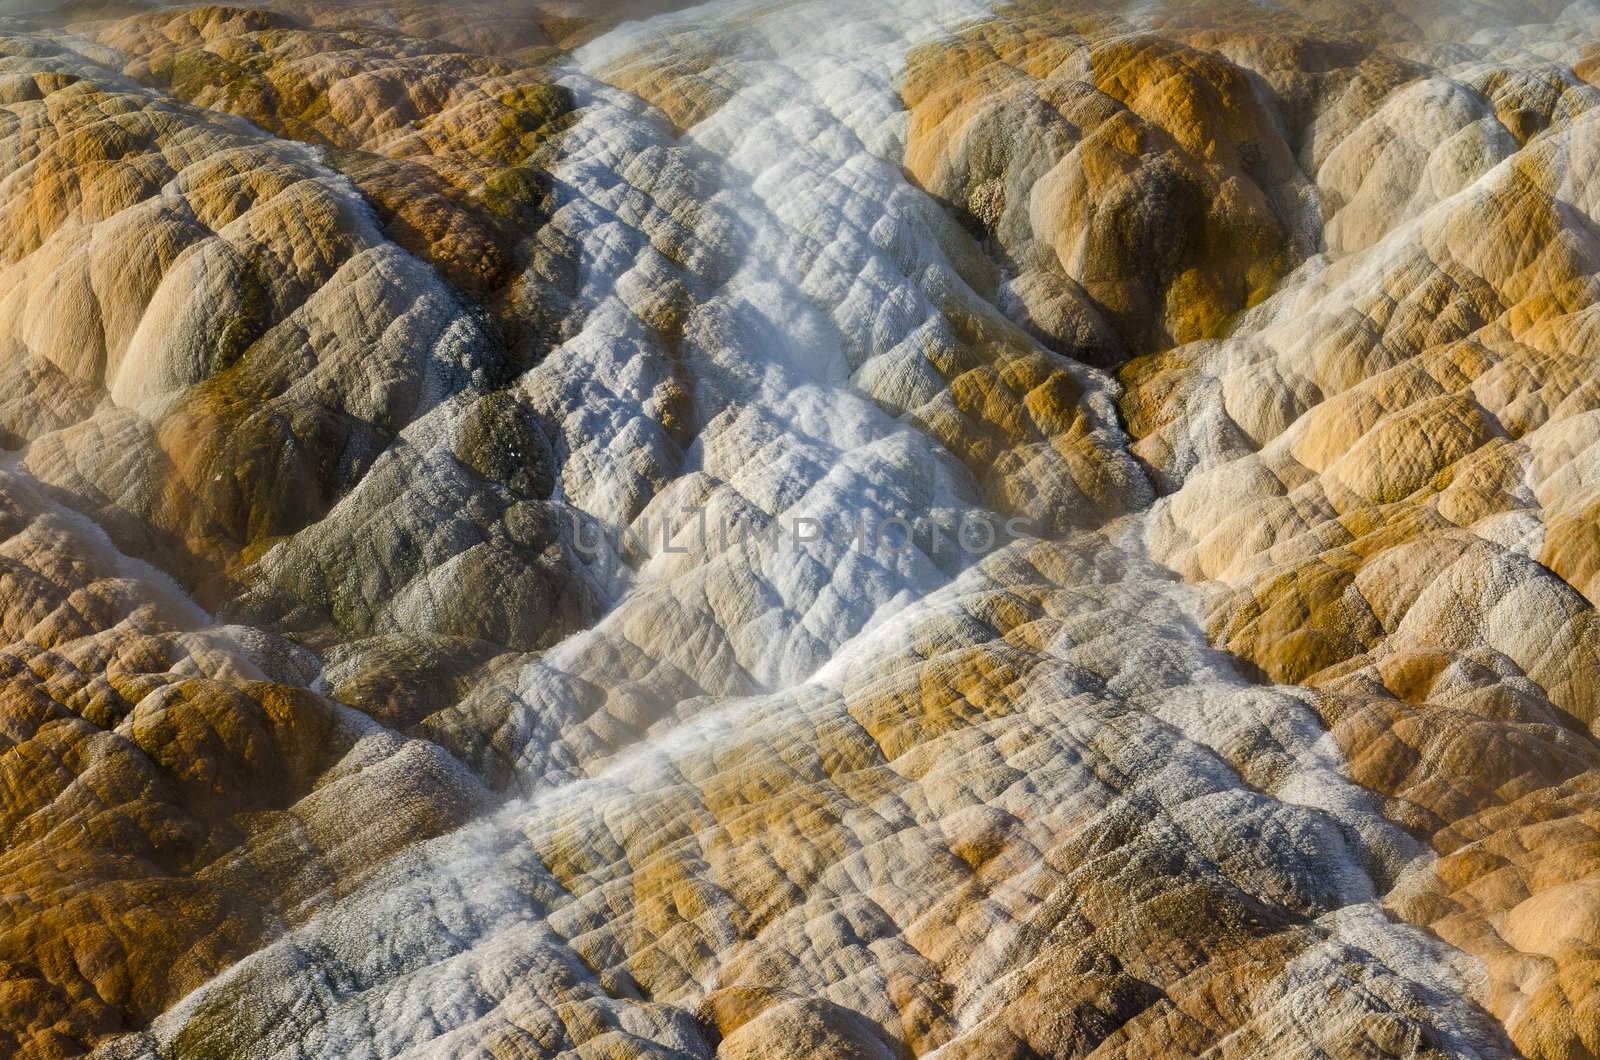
(820, 529)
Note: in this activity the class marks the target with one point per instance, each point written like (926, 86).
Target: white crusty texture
(422, 343)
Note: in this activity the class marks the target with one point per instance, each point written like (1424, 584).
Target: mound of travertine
(145, 748)
(405, 654)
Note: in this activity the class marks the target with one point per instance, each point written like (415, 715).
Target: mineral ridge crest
(809, 530)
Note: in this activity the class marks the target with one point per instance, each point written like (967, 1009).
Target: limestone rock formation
(809, 529)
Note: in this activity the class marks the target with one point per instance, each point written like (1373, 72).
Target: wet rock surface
(777, 530)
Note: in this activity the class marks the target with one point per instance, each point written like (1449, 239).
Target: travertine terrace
(439, 611)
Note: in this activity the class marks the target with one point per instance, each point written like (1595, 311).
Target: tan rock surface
(413, 342)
